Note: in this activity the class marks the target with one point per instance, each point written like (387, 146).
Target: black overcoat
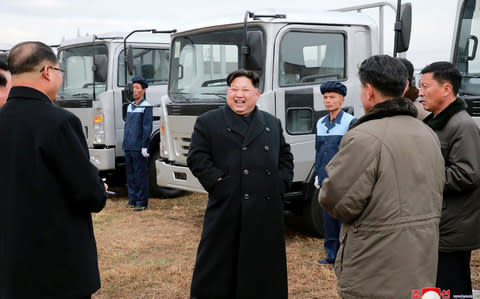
(242, 249)
(48, 188)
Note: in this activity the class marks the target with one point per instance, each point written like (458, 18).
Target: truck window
(467, 56)
(78, 78)
(152, 64)
(307, 57)
(201, 63)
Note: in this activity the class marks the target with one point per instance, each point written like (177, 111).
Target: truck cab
(293, 55)
(465, 54)
(94, 84)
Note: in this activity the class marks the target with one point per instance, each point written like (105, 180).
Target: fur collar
(439, 121)
(397, 106)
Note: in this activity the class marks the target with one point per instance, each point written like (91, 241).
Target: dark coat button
(245, 171)
(244, 148)
(268, 172)
(267, 129)
(267, 197)
(229, 129)
(246, 196)
(266, 148)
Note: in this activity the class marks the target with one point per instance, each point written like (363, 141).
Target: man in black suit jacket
(48, 187)
(239, 155)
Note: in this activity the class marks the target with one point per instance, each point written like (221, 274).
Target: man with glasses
(239, 155)
(48, 187)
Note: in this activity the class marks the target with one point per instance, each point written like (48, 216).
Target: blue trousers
(331, 242)
(137, 178)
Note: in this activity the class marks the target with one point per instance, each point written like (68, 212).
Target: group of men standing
(401, 196)
(48, 186)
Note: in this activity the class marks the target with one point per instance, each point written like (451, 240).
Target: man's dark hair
(3, 79)
(26, 56)
(444, 71)
(385, 73)
(243, 73)
(409, 66)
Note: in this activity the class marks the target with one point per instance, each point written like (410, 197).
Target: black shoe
(130, 205)
(139, 208)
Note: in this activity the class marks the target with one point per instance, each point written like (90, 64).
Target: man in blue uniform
(330, 130)
(138, 127)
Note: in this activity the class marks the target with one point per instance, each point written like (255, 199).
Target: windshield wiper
(81, 95)
(216, 94)
(471, 75)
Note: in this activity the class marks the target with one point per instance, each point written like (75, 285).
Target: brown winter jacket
(385, 185)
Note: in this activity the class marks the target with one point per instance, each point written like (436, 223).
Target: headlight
(98, 129)
(163, 145)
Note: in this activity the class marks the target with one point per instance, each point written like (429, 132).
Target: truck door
(306, 56)
(150, 63)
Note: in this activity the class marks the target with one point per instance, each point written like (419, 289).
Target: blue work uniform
(327, 141)
(138, 128)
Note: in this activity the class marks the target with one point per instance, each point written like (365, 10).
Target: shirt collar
(336, 120)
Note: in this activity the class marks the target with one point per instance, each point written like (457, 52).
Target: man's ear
(371, 92)
(45, 74)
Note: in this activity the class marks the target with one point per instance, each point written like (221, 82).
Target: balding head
(33, 64)
(28, 56)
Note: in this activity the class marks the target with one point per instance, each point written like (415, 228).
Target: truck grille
(182, 145)
(473, 103)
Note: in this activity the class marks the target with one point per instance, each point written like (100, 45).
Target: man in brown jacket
(385, 185)
(460, 140)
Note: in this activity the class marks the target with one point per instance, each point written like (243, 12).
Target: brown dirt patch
(151, 254)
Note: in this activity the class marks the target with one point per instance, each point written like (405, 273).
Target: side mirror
(403, 36)
(130, 60)
(101, 68)
(256, 57)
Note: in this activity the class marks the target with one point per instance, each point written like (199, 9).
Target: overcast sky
(51, 21)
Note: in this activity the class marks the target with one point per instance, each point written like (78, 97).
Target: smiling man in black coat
(239, 155)
(48, 187)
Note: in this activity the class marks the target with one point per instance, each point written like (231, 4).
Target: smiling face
(242, 96)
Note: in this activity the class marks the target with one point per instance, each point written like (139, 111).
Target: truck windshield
(201, 62)
(466, 55)
(78, 78)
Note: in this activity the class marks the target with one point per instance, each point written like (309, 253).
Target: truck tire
(155, 190)
(312, 216)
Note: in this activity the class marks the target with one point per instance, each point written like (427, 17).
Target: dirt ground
(151, 254)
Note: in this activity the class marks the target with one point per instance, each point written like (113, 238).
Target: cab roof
(297, 17)
(117, 37)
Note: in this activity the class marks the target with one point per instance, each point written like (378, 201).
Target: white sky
(51, 21)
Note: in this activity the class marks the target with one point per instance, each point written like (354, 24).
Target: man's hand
(145, 153)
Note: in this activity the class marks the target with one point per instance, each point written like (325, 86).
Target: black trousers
(454, 272)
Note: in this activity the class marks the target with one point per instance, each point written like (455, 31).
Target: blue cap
(333, 86)
(140, 80)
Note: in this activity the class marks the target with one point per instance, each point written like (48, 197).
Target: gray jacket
(460, 141)
(385, 184)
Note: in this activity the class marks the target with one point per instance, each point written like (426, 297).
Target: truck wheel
(155, 190)
(312, 215)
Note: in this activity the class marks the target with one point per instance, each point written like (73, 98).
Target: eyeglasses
(53, 68)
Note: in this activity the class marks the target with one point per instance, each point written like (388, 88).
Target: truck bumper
(103, 159)
(177, 177)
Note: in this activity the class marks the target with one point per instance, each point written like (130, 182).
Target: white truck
(292, 55)
(97, 70)
(465, 53)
